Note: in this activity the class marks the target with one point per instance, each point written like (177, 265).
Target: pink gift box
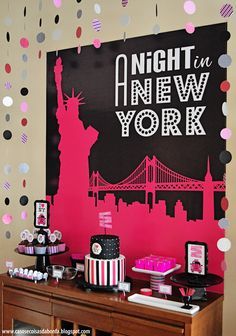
(140, 263)
(149, 264)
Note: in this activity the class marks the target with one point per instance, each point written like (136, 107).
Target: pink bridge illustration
(151, 175)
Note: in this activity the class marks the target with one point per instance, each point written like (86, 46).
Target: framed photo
(41, 214)
(196, 257)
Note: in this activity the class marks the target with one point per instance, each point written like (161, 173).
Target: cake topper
(41, 238)
(105, 220)
(58, 234)
(53, 238)
(41, 214)
(23, 235)
(30, 238)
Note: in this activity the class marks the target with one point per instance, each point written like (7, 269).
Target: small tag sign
(57, 274)
(124, 286)
(80, 267)
(9, 264)
(165, 289)
(105, 219)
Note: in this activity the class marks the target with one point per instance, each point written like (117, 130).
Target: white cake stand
(156, 278)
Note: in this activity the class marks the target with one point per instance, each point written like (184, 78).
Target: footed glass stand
(198, 282)
(42, 260)
(156, 278)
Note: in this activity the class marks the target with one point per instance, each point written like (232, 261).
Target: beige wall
(13, 152)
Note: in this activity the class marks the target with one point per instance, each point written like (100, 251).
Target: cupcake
(40, 247)
(61, 245)
(29, 249)
(52, 246)
(21, 246)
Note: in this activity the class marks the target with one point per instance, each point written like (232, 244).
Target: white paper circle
(23, 168)
(7, 169)
(223, 223)
(97, 8)
(56, 34)
(224, 244)
(7, 101)
(156, 29)
(224, 109)
(8, 21)
(125, 20)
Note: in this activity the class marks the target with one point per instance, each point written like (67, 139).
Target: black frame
(46, 225)
(201, 268)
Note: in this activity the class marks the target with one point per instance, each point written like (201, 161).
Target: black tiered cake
(104, 266)
(104, 247)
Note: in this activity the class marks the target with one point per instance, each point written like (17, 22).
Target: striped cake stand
(156, 278)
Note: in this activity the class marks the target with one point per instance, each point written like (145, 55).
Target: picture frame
(196, 258)
(41, 214)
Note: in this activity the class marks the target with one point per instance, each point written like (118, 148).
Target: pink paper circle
(24, 215)
(225, 133)
(190, 28)
(7, 218)
(189, 7)
(24, 107)
(79, 49)
(97, 43)
(57, 3)
(24, 42)
(223, 265)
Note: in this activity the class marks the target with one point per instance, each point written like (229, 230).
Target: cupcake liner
(21, 248)
(29, 249)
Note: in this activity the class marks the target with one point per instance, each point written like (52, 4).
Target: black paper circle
(7, 201)
(40, 22)
(225, 157)
(24, 91)
(8, 36)
(7, 135)
(225, 35)
(56, 20)
(7, 117)
(25, 11)
(79, 14)
(24, 200)
(40, 37)
(8, 234)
